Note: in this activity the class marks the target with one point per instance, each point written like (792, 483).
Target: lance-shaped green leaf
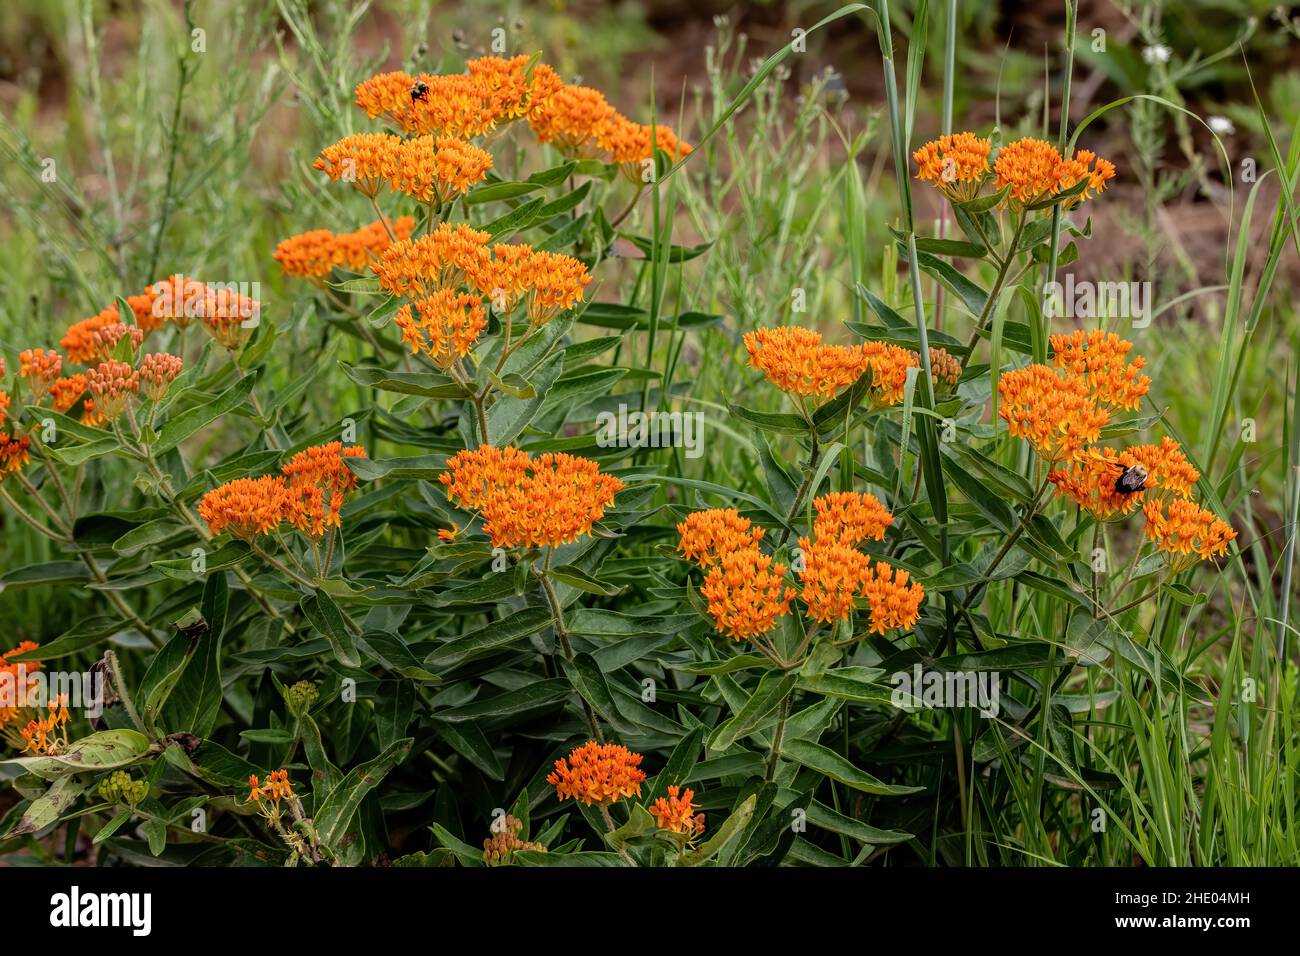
(105, 750)
(327, 619)
(334, 814)
(773, 687)
(731, 828)
(828, 762)
(182, 426)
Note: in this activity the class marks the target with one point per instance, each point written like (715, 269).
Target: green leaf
(47, 808)
(495, 192)
(770, 421)
(528, 697)
(105, 750)
(828, 762)
(577, 578)
(328, 621)
(585, 676)
(426, 384)
(334, 814)
(773, 687)
(731, 828)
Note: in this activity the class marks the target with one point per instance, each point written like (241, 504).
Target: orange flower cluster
(438, 170)
(246, 507)
(318, 481)
(504, 842)
(105, 338)
(308, 494)
(1035, 170)
(1186, 529)
(157, 371)
(18, 679)
(1100, 358)
(366, 160)
(572, 118)
(13, 453)
(529, 502)
(945, 370)
(1091, 481)
(746, 593)
(1053, 411)
(850, 517)
(630, 144)
(225, 313)
(276, 788)
(597, 774)
(677, 812)
(79, 342)
(47, 734)
(112, 383)
(836, 572)
(709, 534)
(448, 325)
(460, 105)
(795, 360)
(957, 163)
(313, 254)
(449, 257)
(889, 365)
(41, 368)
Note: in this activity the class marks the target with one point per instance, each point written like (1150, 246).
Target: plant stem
(609, 824)
(562, 635)
(803, 488)
(774, 752)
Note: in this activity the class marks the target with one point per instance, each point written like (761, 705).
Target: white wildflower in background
(1159, 53)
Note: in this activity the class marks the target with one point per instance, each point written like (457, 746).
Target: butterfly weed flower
(105, 339)
(630, 144)
(889, 365)
(1168, 469)
(314, 254)
(157, 372)
(895, 601)
(945, 370)
(833, 575)
(65, 391)
(746, 594)
(499, 848)
(318, 482)
(20, 680)
(357, 249)
(1085, 164)
(14, 453)
(530, 502)
(571, 119)
(449, 257)
(956, 163)
(597, 774)
(366, 160)
(554, 282)
(443, 325)
(1034, 170)
(41, 368)
(245, 507)
(437, 170)
(705, 536)
(113, 383)
(677, 812)
(1101, 359)
(1185, 531)
(850, 517)
(47, 735)
(513, 87)
(795, 361)
(1091, 483)
(1054, 412)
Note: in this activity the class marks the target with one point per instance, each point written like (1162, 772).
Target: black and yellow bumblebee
(1132, 480)
(420, 91)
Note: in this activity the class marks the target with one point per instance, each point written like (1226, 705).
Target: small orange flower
(530, 502)
(795, 360)
(449, 534)
(47, 735)
(511, 87)
(708, 535)
(889, 365)
(945, 370)
(357, 249)
(448, 325)
(112, 383)
(1167, 467)
(597, 774)
(1052, 411)
(677, 812)
(629, 144)
(106, 337)
(1186, 529)
(437, 170)
(1031, 167)
(1086, 165)
(64, 392)
(276, 788)
(157, 372)
(1100, 358)
(957, 163)
(318, 481)
(246, 507)
(746, 593)
(1090, 481)
(308, 255)
(850, 517)
(365, 160)
(572, 118)
(555, 282)
(13, 453)
(40, 368)
(449, 257)
(895, 603)
(833, 573)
